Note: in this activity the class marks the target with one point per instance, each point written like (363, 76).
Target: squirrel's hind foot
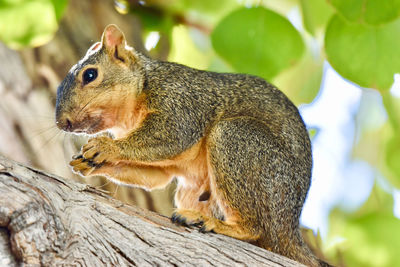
(211, 224)
(188, 218)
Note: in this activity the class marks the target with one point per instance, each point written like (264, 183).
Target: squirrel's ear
(114, 41)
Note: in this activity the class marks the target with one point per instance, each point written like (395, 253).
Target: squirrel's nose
(68, 125)
(65, 124)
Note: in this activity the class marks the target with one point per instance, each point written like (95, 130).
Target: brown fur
(237, 145)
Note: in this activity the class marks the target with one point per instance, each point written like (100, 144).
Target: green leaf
(392, 160)
(257, 41)
(59, 7)
(368, 56)
(393, 155)
(369, 237)
(152, 19)
(209, 12)
(372, 12)
(350, 9)
(312, 132)
(316, 14)
(184, 50)
(302, 82)
(378, 11)
(205, 6)
(29, 22)
(374, 240)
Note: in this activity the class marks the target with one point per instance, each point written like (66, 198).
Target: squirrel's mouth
(95, 126)
(89, 125)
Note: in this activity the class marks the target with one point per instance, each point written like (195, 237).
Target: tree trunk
(47, 220)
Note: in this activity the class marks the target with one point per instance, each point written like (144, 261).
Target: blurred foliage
(242, 37)
(371, 234)
(372, 12)
(286, 42)
(316, 14)
(367, 55)
(29, 22)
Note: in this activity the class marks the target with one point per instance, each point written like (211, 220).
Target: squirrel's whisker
(82, 110)
(39, 132)
(42, 146)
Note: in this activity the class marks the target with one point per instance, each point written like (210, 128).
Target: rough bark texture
(47, 220)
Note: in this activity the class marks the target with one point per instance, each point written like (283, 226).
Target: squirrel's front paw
(94, 155)
(99, 150)
(82, 166)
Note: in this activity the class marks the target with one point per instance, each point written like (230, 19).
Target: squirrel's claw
(207, 227)
(82, 166)
(204, 229)
(187, 218)
(94, 155)
(178, 219)
(79, 156)
(193, 218)
(99, 150)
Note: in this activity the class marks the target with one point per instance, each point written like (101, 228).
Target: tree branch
(47, 220)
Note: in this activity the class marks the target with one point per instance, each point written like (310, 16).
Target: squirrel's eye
(89, 75)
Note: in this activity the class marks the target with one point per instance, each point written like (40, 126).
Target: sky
(337, 178)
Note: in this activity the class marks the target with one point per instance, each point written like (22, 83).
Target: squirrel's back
(206, 96)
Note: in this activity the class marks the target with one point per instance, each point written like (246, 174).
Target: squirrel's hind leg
(238, 153)
(259, 186)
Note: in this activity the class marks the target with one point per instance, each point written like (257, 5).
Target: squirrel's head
(102, 86)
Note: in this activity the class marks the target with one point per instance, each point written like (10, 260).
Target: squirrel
(237, 146)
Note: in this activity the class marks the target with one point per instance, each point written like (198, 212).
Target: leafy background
(336, 59)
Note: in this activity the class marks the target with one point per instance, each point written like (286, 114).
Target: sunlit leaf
(29, 22)
(392, 157)
(369, 11)
(369, 237)
(316, 14)
(313, 132)
(152, 19)
(184, 50)
(208, 12)
(368, 56)
(302, 82)
(59, 7)
(122, 6)
(207, 6)
(257, 41)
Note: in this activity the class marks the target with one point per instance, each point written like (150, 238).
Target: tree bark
(48, 220)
